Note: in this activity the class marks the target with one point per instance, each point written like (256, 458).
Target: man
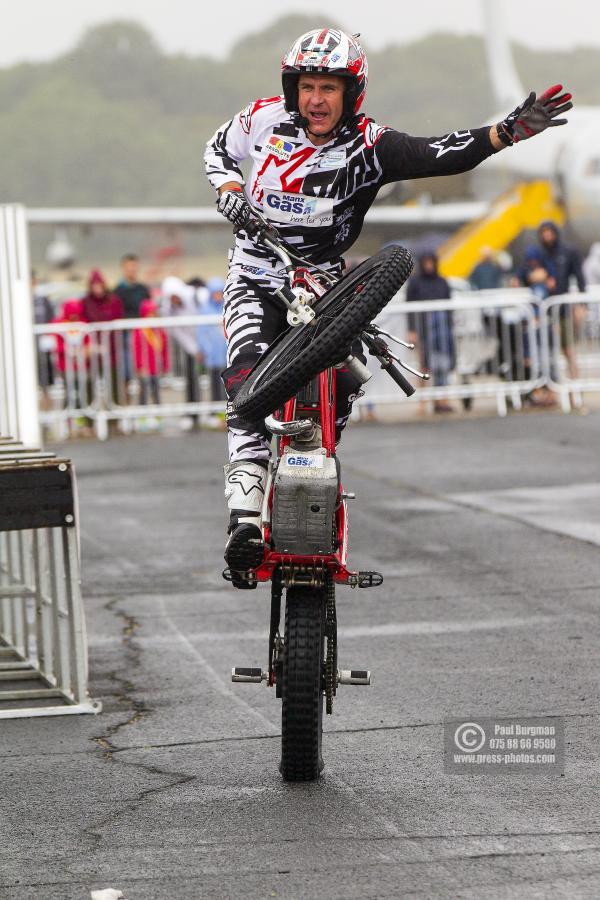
(132, 293)
(487, 274)
(562, 263)
(432, 332)
(317, 165)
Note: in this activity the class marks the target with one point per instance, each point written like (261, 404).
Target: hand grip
(395, 373)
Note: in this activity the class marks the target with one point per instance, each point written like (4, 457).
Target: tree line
(116, 121)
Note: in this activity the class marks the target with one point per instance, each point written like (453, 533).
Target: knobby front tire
(300, 353)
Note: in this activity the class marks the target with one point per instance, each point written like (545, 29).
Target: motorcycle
(305, 515)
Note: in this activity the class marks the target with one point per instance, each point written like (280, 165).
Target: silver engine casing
(305, 499)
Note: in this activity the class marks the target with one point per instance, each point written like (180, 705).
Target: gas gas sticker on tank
(299, 461)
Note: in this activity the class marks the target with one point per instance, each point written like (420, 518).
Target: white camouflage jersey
(317, 197)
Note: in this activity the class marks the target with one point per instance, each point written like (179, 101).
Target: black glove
(234, 206)
(534, 115)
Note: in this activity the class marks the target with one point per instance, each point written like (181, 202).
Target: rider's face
(321, 101)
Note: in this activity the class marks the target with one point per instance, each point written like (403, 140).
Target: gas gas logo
(307, 461)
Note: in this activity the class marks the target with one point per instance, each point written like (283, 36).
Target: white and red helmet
(326, 50)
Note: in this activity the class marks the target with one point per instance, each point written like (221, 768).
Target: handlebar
(395, 373)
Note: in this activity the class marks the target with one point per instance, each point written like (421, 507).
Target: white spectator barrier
(484, 344)
(43, 651)
(572, 345)
(106, 373)
(18, 377)
(477, 344)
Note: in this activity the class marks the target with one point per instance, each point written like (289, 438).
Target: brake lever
(378, 347)
(376, 330)
(424, 375)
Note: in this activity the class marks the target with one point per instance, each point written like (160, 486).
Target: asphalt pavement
(487, 533)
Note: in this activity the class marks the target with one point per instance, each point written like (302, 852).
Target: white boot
(245, 482)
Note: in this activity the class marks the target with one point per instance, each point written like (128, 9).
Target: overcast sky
(41, 29)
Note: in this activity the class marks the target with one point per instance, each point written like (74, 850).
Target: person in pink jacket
(151, 354)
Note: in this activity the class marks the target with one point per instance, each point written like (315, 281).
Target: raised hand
(535, 114)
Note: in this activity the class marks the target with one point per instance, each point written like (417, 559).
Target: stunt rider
(317, 164)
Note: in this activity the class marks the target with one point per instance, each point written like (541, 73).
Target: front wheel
(300, 353)
(303, 680)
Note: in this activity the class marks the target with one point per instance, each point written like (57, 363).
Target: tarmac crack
(124, 687)
(95, 832)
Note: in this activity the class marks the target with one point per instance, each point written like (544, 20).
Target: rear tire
(303, 679)
(300, 353)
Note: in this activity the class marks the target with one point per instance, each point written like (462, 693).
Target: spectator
(151, 354)
(99, 305)
(537, 278)
(73, 348)
(179, 299)
(562, 263)
(432, 332)
(487, 274)
(132, 294)
(43, 313)
(591, 265)
(212, 346)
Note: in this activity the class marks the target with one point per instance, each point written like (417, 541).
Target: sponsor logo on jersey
(297, 209)
(456, 140)
(333, 160)
(305, 462)
(280, 148)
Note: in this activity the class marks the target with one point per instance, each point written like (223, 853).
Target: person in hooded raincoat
(73, 352)
(180, 299)
(100, 305)
(432, 332)
(212, 345)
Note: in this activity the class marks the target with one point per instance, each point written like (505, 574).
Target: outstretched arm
(533, 116)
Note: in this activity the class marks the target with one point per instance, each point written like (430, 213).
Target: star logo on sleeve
(456, 140)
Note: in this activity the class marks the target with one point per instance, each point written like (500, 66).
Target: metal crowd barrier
(43, 651)
(572, 345)
(501, 345)
(477, 344)
(97, 379)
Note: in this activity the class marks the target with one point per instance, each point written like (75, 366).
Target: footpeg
(369, 579)
(354, 676)
(252, 676)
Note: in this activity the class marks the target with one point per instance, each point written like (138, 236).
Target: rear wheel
(302, 352)
(303, 680)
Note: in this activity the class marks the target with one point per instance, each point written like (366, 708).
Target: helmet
(326, 50)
